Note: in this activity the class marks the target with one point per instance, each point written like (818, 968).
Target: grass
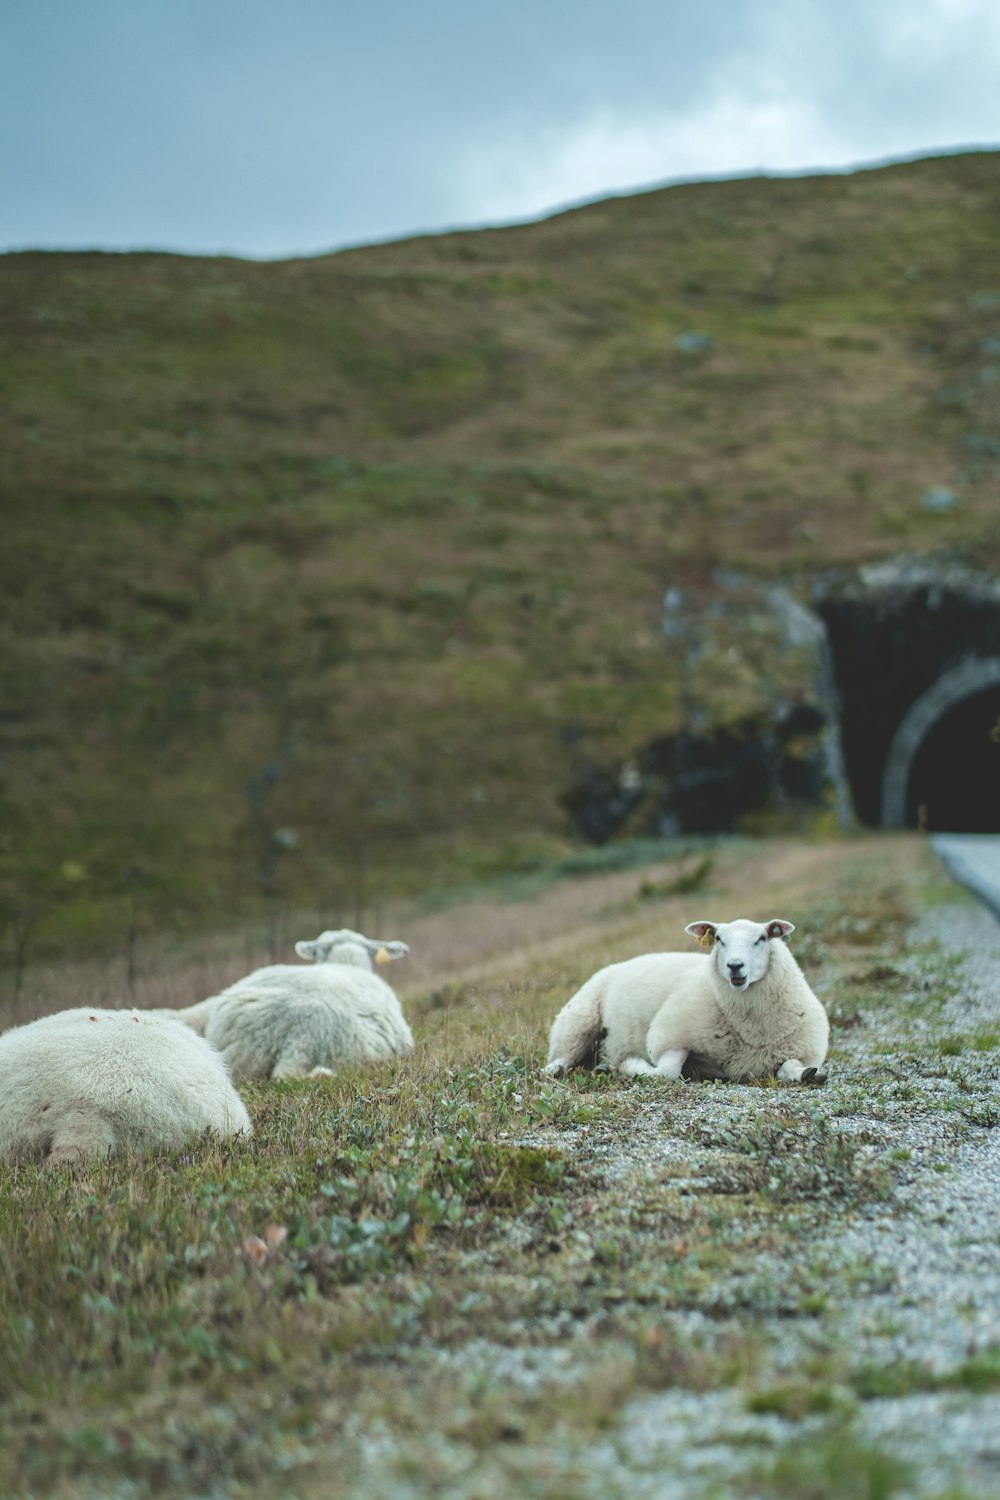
(394, 1244)
(372, 548)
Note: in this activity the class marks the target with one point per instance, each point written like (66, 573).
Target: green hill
(347, 568)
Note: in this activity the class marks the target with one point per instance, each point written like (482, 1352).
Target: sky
(270, 128)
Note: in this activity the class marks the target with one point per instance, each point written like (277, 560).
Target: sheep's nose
(734, 967)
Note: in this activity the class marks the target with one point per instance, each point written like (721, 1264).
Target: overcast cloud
(270, 128)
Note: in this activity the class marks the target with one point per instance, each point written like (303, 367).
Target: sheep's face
(741, 950)
(352, 948)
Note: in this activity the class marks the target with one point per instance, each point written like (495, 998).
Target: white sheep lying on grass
(742, 1011)
(85, 1083)
(288, 1022)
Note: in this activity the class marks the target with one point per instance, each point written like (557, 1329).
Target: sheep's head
(347, 947)
(741, 950)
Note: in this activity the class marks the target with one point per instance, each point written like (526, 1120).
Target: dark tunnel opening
(915, 659)
(954, 780)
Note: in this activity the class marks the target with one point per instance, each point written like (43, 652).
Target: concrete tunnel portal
(915, 656)
(943, 766)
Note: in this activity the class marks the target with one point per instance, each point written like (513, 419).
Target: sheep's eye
(759, 940)
(719, 941)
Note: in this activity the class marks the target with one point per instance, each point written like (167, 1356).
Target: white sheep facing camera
(741, 1011)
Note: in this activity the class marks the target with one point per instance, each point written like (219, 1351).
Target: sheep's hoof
(555, 1069)
(813, 1077)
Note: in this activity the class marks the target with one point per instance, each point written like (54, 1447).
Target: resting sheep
(288, 1022)
(85, 1083)
(743, 1011)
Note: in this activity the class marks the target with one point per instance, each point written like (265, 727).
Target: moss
(839, 1467)
(507, 1178)
(979, 1373)
(793, 1402)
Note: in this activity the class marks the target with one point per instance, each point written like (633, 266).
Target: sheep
(744, 1011)
(88, 1083)
(288, 1022)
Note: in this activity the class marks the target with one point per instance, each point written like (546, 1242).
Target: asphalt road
(974, 861)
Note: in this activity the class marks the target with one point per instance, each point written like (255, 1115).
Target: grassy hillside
(333, 574)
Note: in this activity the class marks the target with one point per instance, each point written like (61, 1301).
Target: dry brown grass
(576, 926)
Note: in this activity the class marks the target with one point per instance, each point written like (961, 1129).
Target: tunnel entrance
(942, 771)
(890, 717)
(954, 779)
(915, 653)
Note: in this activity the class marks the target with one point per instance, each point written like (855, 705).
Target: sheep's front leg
(793, 1071)
(292, 1065)
(668, 1065)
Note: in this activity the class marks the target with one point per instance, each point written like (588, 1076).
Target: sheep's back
(329, 1015)
(276, 978)
(152, 1080)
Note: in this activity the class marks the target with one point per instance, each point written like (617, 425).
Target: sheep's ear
(778, 928)
(307, 950)
(386, 952)
(703, 931)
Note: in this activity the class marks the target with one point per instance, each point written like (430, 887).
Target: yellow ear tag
(383, 956)
(707, 939)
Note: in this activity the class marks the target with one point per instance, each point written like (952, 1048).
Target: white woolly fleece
(90, 1082)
